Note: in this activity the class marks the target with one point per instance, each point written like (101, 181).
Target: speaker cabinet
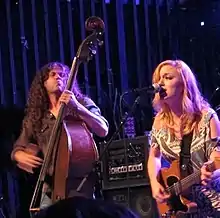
(139, 199)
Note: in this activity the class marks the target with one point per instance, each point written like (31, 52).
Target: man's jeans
(45, 201)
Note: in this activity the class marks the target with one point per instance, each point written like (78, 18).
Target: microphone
(154, 88)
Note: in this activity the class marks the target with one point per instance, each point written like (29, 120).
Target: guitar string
(187, 179)
(183, 181)
(178, 183)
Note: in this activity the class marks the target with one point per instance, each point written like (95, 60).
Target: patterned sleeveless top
(207, 197)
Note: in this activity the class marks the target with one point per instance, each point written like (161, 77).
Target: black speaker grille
(139, 199)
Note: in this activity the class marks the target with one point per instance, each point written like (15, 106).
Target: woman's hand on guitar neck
(159, 192)
(206, 176)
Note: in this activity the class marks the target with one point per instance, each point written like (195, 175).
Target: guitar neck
(194, 178)
(183, 184)
(190, 180)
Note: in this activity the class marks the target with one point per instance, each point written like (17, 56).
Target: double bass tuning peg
(93, 51)
(90, 57)
(100, 42)
(92, 48)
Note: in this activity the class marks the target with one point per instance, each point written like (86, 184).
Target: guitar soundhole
(171, 180)
(175, 201)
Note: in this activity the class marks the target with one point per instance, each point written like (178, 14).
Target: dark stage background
(138, 35)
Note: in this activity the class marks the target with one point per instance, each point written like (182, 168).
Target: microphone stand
(95, 164)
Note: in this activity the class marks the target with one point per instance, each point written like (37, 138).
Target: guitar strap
(185, 157)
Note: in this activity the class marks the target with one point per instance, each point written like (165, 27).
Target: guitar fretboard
(183, 184)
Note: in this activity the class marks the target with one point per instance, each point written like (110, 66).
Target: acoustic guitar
(179, 203)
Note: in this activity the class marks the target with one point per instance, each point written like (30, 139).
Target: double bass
(85, 53)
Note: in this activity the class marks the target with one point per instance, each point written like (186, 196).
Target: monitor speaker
(139, 199)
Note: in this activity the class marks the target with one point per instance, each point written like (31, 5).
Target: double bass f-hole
(85, 53)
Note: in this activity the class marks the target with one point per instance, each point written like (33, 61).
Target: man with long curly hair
(182, 112)
(74, 152)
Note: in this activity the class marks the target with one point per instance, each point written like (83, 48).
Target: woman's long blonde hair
(192, 103)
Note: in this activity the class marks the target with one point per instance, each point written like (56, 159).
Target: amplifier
(125, 163)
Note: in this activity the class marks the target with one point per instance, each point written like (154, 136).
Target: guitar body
(177, 205)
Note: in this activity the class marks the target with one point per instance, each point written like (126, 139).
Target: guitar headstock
(90, 44)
